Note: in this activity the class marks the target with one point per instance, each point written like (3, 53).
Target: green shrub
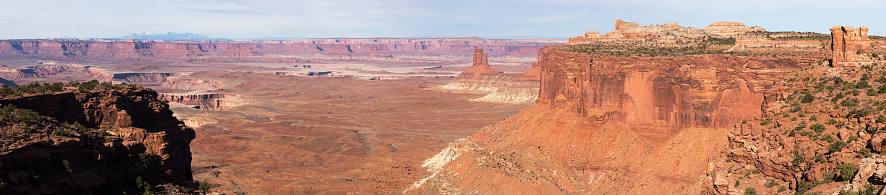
(800, 126)
(864, 153)
(770, 184)
(765, 122)
(204, 187)
(850, 102)
(818, 128)
(862, 84)
(808, 98)
(750, 191)
(861, 112)
(798, 159)
(828, 138)
(836, 146)
(872, 92)
(847, 171)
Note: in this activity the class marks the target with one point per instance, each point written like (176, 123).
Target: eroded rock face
(659, 92)
(145, 141)
(846, 41)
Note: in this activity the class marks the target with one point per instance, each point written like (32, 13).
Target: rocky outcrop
(669, 32)
(212, 101)
(730, 29)
(479, 78)
(126, 134)
(847, 42)
(621, 25)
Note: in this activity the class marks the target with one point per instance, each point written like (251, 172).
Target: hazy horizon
(248, 19)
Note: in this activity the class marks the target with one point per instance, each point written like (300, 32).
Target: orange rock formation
(479, 78)
(846, 41)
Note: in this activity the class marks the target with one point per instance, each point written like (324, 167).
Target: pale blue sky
(246, 19)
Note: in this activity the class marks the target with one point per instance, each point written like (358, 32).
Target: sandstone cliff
(93, 141)
(479, 78)
(616, 124)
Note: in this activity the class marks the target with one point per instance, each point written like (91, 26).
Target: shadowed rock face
(666, 93)
(147, 142)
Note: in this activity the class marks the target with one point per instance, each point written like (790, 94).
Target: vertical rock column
(846, 41)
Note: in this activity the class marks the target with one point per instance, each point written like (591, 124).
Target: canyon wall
(127, 134)
(668, 93)
(614, 124)
(479, 78)
(257, 51)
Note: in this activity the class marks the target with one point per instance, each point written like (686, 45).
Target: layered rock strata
(479, 78)
(210, 101)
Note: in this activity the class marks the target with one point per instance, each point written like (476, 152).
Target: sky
(252, 19)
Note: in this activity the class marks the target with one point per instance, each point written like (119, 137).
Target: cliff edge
(90, 138)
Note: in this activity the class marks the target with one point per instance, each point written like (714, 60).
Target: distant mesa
(730, 29)
(669, 31)
(173, 36)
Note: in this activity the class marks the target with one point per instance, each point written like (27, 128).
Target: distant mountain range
(175, 36)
